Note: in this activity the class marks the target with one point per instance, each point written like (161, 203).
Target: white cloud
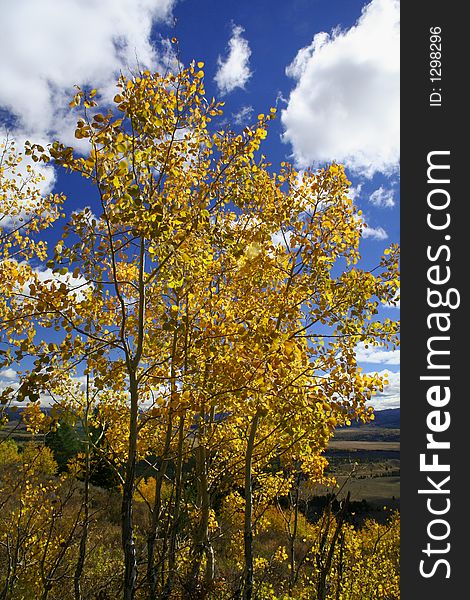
(345, 106)
(76, 286)
(395, 305)
(377, 233)
(281, 238)
(243, 115)
(8, 373)
(390, 397)
(355, 191)
(50, 46)
(382, 197)
(374, 233)
(234, 70)
(9, 380)
(30, 202)
(374, 354)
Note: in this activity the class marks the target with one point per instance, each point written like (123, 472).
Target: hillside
(388, 418)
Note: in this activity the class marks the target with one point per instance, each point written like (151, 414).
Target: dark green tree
(64, 441)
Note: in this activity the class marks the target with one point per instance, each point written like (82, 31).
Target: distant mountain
(388, 418)
(14, 413)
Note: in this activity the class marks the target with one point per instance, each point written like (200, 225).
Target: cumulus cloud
(395, 304)
(281, 238)
(8, 373)
(51, 46)
(390, 397)
(355, 192)
(76, 286)
(9, 380)
(23, 177)
(345, 105)
(374, 233)
(234, 70)
(382, 197)
(374, 354)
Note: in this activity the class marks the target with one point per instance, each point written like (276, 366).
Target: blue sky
(331, 67)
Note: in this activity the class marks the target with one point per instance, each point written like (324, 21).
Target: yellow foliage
(217, 314)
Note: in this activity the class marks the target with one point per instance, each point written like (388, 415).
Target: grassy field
(368, 433)
(375, 490)
(365, 461)
(354, 445)
(16, 431)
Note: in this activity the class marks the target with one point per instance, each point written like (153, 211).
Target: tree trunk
(326, 561)
(248, 525)
(128, 542)
(86, 504)
(202, 545)
(176, 512)
(293, 536)
(156, 513)
(179, 470)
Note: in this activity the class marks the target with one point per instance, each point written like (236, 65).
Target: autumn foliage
(214, 307)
